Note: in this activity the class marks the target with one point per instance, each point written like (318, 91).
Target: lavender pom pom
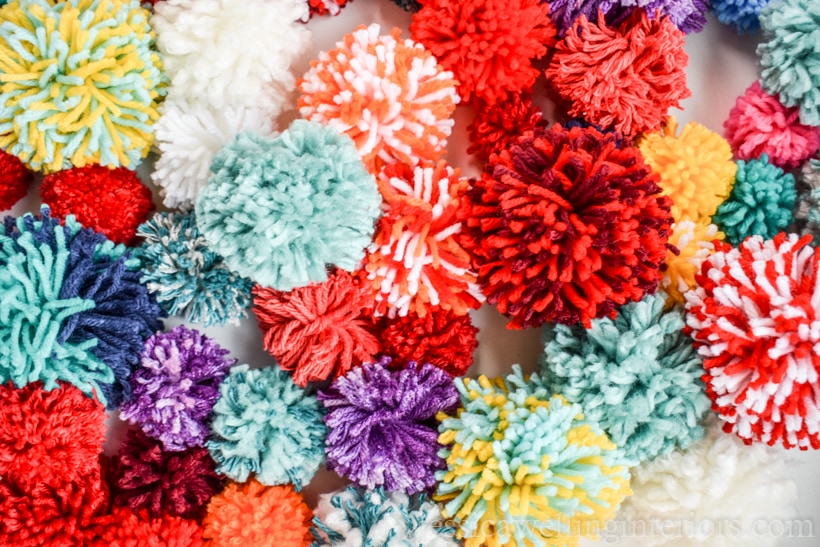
(176, 386)
(688, 15)
(382, 428)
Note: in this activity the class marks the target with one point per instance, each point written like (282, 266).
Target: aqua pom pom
(742, 15)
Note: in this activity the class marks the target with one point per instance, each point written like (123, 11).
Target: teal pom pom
(265, 424)
(638, 375)
(790, 57)
(761, 203)
(281, 210)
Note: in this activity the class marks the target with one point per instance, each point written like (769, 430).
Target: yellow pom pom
(694, 242)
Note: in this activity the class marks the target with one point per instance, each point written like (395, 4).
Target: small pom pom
(111, 201)
(566, 225)
(122, 528)
(761, 202)
(742, 15)
(644, 56)
(176, 386)
(381, 428)
(326, 7)
(759, 124)
(751, 319)
(280, 211)
(260, 516)
(318, 332)
(497, 126)
(264, 424)
(14, 180)
(690, 244)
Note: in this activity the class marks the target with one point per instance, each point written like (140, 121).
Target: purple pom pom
(382, 427)
(176, 386)
(687, 15)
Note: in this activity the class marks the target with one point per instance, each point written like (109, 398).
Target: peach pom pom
(693, 243)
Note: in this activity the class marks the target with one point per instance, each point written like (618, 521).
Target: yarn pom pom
(281, 210)
(320, 331)
(122, 528)
(690, 245)
(205, 61)
(260, 516)
(565, 225)
(742, 15)
(789, 56)
(441, 338)
(178, 484)
(389, 95)
(759, 124)
(490, 45)
(354, 516)
(515, 453)
(264, 424)
(381, 429)
(497, 126)
(807, 212)
(81, 83)
(176, 387)
(761, 202)
(73, 308)
(408, 5)
(14, 180)
(625, 77)
(111, 201)
(687, 15)
(415, 260)
(696, 168)
(752, 321)
(326, 7)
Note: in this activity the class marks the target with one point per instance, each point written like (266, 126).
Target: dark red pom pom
(125, 529)
(14, 180)
(496, 126)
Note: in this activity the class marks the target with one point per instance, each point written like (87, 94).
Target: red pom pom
(125, 529)
(489, 45)
(318, 331)
(111, 201)
(496, 126)
(627, 77)
(566, 225)
(14, 180)
(441, 338)
(326, 7)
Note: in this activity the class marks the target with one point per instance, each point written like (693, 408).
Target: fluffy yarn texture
(14, 180)
(205, 61)
(742, 15)
(789, 55)
(490, 45)
(687, 15)
(73, 308)
(690, 245)
(176, 387)
(517, 454)
(80, 82)
(381, 428)
(265, 424)
(753, 320)
(320, 331)
(122, 528)
(566, 225)
(761, 202)
(807, 212)
(759, 124)
(696, 168)
(355, 517)
(281, 210)
(260, 516)
(415, 260)
(387, 94)
(496, 127)
(625, 77)
(326, 7)
(113, 202)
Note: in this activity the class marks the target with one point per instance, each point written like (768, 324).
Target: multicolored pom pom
(691, 244)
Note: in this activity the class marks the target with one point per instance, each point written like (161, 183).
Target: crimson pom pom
(111, 201)
(496, 126)
(147, 477)
(566, 225)
(441, 338)
(125, 529)
(14, 180)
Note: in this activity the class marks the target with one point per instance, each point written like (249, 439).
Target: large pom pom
(516, 453)
(389, 95)
(281, 210)
(320, 331)
(743, 15)
(264, 424)
(752, 319)
(260, 516)
(381, 425)
(415, 260)
(354, 516)
(488, 44)
(122, 528)
(566, 225)
(687, 15)
(690, 245)
(14, 180)
(84, 94)
(176, 387)
(497, 126)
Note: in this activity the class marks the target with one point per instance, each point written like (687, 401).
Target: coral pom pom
(625, 77)
(318, 332)
(125, 529)
(497, 126)
(14, 180)
(111, 201)
(690, 245)
(566, 225)
(752, 319)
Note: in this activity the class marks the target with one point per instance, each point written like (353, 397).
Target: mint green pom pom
(281, 210)
(638, 375)
(761, 203)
